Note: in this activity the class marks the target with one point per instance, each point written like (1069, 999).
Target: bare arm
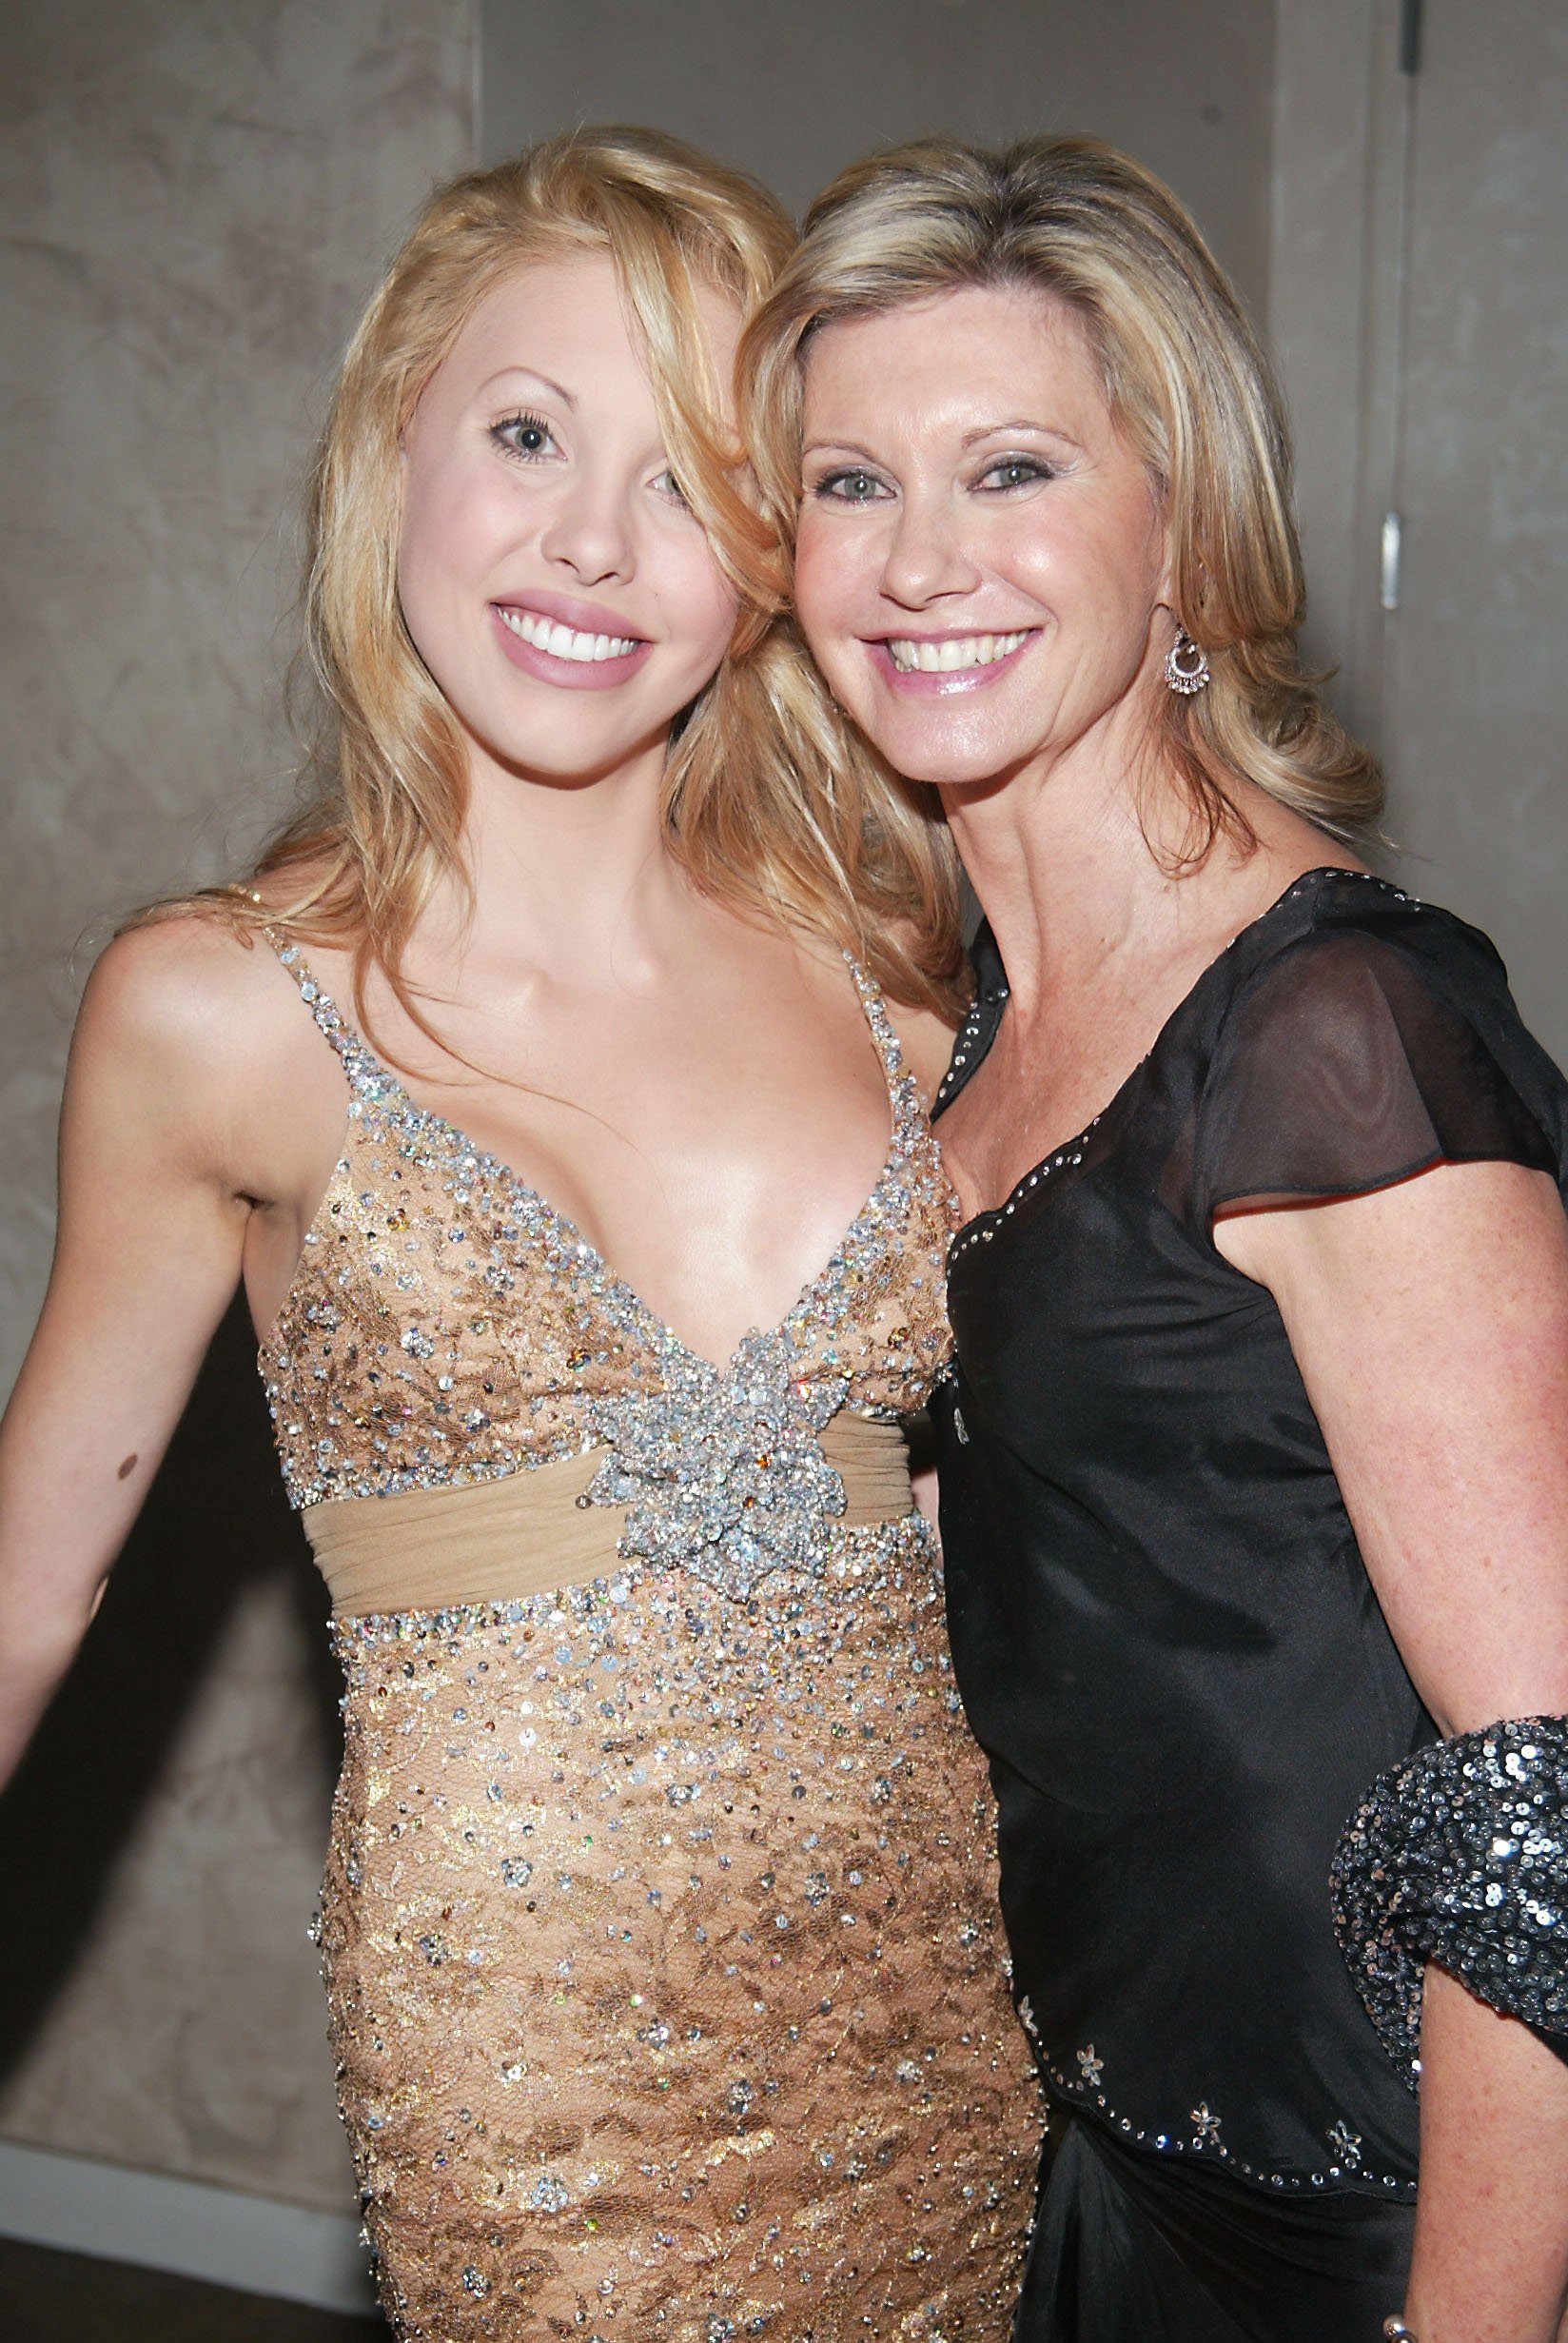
(164, 1161)
(1430, 1323)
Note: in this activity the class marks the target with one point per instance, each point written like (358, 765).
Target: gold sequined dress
(660, 1920)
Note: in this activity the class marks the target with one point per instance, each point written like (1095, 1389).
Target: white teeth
(562, 641)
(940, 659)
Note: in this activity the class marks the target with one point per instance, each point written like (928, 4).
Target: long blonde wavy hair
(763, 803)
(1185, 380)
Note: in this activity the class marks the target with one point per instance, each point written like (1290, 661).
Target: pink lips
(916, 684)
(583, 619)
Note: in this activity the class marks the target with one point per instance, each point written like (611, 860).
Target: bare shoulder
(189, 1019)
(189, 989)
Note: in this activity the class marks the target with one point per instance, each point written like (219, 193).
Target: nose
(927, 559)
(589, 531)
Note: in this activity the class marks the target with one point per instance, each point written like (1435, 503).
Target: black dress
(1166, 1640)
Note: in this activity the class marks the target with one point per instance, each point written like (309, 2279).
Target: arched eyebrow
(556, 389)
(1020, 423)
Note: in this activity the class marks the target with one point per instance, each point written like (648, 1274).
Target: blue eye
(853, 484)
(527, 436)
(668, 486)
(1014, 472)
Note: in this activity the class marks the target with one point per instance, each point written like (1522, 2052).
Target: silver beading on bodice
(723, 1471)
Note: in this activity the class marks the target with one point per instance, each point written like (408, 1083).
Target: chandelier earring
(1186, 666)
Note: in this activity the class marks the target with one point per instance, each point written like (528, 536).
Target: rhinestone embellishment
(722, 1473)
(1203, 2142)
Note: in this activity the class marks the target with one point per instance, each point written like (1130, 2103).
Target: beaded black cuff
(1461, 1855)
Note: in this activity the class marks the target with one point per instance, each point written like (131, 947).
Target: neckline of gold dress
(370, 1079)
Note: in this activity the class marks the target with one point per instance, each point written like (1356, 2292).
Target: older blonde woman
(1255, 1461)
(658, 1927)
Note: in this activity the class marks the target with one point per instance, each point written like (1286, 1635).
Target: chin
(938, 771)
(921, 752)
(560, 755)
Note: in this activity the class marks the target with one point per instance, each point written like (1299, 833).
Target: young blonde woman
(1255, 1464)
(543, 1090)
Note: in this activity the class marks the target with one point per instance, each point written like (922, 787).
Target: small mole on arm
(127, 1468)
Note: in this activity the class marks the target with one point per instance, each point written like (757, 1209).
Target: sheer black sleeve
(1350, 1061)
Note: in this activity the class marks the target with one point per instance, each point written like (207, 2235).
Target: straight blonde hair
(765, 802)
(1185, 380)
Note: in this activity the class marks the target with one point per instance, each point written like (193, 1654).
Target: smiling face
(981, 561)
(552, 578)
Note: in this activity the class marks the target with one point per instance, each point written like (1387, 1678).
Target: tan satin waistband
(496, 1541)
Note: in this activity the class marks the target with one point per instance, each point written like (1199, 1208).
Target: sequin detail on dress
(659, 1926)
(723, 1474)
(665, 1968)
(1461, 1855)
(1202, 2139)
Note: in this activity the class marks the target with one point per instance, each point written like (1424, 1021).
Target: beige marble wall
(196, 196)
(796, 88)
(1472, 657)
(1450, 408)
(1330, 76)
